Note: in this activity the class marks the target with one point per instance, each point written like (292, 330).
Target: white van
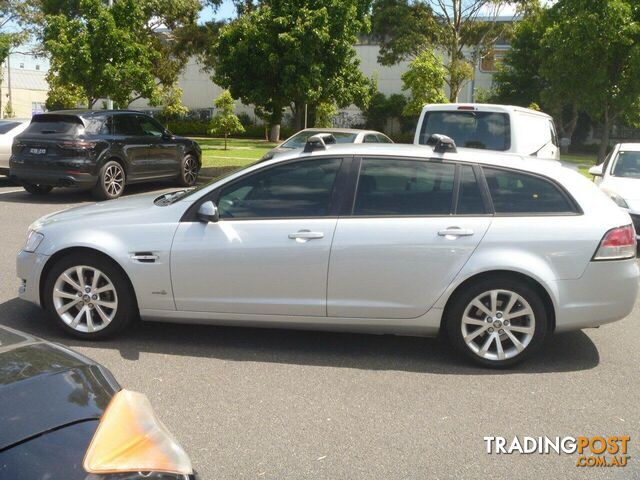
(503, 128)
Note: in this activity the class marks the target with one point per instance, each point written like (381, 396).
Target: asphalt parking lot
(249, 403)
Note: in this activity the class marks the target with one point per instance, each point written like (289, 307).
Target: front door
(406, 239)
(163, 150)
(128, 136)
(269, 252)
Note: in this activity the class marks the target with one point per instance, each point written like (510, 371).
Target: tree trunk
(225, 140)
(274, 133)
(274, 123)
(606, 134)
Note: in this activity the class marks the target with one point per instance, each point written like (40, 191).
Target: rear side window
(469, 197)
(515, 192)
(471, 129)
(96, 125)
(404, 187)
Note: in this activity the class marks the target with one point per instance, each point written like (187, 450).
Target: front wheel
(188, 171)
(111, 181)
(89, 297)
(36, 189)
(497, 323)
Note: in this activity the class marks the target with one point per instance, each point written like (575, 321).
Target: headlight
(618, 199)
(33, 241)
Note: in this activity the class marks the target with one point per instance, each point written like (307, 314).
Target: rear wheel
(497, 323)
(37, 189)
(111, 181)
(188, 171)
(89, 297)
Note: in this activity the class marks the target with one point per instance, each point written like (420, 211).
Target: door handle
(305, 235)
(455, 232)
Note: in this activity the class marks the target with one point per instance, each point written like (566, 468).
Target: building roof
(25, 79)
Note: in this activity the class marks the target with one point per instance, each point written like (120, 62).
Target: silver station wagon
(497, 250)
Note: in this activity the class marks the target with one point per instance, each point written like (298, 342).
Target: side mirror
(208, 212)
(167, 135)
(596, 170)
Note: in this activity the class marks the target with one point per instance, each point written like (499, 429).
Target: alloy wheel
(190, 170)
(114, 180)
(85, 299)
(498, 324)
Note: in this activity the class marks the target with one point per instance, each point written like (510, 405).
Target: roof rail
(442, 143)
(319, 142)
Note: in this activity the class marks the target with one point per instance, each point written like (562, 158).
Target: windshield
(627, 165)
(299, 140)
(471, 129)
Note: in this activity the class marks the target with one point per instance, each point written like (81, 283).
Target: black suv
(100, 149)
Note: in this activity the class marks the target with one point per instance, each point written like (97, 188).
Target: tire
(37, 189)
(110, 303)
(188, 171)
(484, 328)
(111, 181)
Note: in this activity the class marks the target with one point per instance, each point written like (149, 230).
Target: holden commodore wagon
(496, 250)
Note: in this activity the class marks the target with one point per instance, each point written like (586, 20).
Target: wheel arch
(109, 156)
(65, 252)
(490, 274)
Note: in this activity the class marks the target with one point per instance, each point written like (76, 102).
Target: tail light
(617, 244)
(77, 145)
(130, 438)
(466, 107)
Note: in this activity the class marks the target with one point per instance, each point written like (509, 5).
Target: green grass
(582, 161)
(240, 151)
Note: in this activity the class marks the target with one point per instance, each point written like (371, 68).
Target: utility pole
(9, 80)
(109, 101)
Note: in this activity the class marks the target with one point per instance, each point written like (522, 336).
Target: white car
(502, 128)
(619, 177)
(9, 128)
(497, 250)
(340, 135)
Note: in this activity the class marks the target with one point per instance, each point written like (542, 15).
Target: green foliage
(63, 96)
(171, 101)
(382, 109)
(8, 111)
(425, 80)
(407, 28)
(225, 122)
(292, 52)
(325, 112)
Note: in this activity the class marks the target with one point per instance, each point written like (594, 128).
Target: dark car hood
(44, 386)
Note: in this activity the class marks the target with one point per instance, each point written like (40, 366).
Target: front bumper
(606, 292)
(29, 267)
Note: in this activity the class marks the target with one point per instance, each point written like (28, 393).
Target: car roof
(426, 152)
(482, 107)
(339, 130)
(83, 112)
(630, 147)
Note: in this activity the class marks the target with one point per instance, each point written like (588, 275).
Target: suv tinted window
(404, 187)
(150, 127)
(469, 197)
(95, 125)
(515, 192)
(300, 189)
(471, 129)
(51, 124)
(126, 125)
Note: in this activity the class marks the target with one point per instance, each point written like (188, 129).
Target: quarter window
(514, 192)
(404, 187)
(301, 189)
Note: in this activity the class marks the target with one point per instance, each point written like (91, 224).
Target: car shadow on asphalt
(572, 351)
(63, 196)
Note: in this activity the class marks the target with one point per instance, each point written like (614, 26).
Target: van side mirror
(208, 212)
(596, 170)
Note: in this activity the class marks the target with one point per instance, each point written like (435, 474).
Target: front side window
(404, 187)
(470, 129)
(293, 190)
(627, 165)
(150, 127)
(126, 125)
(515, 192)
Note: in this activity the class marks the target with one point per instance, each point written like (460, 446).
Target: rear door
(406, 239)
(163, 150)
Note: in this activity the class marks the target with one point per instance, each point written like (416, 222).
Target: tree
(63, 96)
(596, 46)
(463, 30)
(425, 80)
(288, 53)
(123, 52)
(225, 121)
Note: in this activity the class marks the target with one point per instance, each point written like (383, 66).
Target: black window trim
(577, 210)
(340, 185)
